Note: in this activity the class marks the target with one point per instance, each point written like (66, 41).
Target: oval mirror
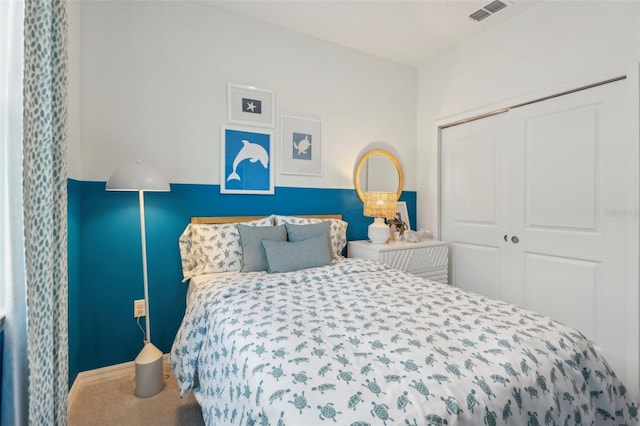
(378, 170)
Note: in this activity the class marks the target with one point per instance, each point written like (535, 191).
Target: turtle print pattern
(359, 343)
(209, 248)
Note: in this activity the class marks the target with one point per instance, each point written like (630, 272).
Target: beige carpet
(112, 402)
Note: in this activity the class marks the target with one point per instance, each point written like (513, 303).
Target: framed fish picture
(301, 144)
(248, 105)
(247, 161)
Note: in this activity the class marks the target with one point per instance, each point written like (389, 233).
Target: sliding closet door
(474, 214)
(540, 207)
(568, 173)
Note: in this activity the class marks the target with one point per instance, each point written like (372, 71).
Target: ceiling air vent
(479, 15)
(488, 10)
(495, 6)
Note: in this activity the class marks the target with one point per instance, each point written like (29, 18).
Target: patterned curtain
(45, 207)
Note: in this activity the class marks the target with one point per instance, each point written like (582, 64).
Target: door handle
(506, 237)
(515, 240)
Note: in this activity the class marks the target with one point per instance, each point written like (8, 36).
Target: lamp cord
(141, 329)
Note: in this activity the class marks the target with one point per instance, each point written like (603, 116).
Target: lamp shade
(137, 177)
(380, 204)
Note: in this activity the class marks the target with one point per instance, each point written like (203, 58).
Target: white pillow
(337, 230)
(208, 248)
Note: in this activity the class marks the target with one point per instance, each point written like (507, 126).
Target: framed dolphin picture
(301, 146)
(247, 161)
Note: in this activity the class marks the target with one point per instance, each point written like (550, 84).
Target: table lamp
(141, 177)
(380, 205)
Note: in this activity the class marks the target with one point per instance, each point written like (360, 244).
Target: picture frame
(301, 146)
(251, 106)
(402, 213)
(246, 161)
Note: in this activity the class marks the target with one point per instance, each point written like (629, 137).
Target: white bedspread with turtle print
(357, 343)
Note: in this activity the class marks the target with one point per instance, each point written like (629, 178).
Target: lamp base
(149, 380)
(379, 231)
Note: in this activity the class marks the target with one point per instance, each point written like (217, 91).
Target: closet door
(540, 205)
(474, 196)
(567, 174)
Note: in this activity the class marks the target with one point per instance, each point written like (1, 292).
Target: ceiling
(404, 31)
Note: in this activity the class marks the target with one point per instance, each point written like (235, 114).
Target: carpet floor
(113, 402)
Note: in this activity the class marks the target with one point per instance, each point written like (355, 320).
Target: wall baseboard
(105, 373)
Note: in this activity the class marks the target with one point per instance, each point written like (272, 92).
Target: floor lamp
(141, 177)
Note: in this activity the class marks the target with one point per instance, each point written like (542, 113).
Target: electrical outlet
(139, 308)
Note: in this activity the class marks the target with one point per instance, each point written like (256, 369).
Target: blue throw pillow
(297, 233)
(253, 256)
(292, 256)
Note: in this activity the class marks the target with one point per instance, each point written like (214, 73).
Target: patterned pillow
(208, 248)
(337, 230)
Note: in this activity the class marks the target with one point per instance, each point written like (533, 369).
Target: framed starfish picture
(250, 105)
(301, 146)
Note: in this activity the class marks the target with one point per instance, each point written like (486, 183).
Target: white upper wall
(153, 80)
(74, 148)
(547, 45)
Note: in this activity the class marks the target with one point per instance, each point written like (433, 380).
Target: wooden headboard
(235, 219)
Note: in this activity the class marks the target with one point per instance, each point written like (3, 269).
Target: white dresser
(428, 259)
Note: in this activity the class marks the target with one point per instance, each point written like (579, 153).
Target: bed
(354, 342)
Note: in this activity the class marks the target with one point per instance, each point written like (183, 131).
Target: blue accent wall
(74, 202)
(105, 260)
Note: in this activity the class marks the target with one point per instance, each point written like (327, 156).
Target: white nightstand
(428, 259)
